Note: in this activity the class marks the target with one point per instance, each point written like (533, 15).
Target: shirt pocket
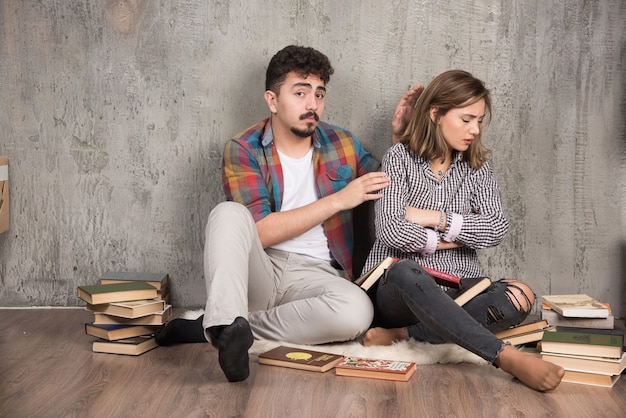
(339, 176)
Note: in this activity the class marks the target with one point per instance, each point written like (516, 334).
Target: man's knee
(229, 213)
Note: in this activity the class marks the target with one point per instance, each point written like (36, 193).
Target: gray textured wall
(114, 114)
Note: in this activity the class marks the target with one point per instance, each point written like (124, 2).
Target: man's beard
(305, 133)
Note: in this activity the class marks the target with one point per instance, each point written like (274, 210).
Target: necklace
(440, 173)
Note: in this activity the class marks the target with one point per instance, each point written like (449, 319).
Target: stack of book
(586, 342)
(128, 309)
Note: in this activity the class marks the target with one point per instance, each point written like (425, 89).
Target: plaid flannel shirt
(252, 175)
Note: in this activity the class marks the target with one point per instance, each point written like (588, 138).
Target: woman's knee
(520, 295)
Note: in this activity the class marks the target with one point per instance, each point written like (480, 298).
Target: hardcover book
(598, 365)
(584, 342)
(469, 289)
(131, 346)
(117, 292)
(114, 332)
(159, 318)
(158, 280)
(524, 334)
(299, 358)
(593, 379)
(522, 329)
(368, 279)
(576, 306)
(376, 369)
(130, 309)
(554, 318)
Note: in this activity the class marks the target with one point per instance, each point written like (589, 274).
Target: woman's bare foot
(384, 336)
(536, 373)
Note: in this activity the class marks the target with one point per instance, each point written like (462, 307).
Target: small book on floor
(130, 346)
(376, 369)
(300, 358)
(114, 332)
(469, 289)
(369, 278)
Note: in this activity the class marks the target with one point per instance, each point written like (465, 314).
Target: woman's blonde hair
(449, 90)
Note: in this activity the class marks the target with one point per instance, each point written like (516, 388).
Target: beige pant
(285, 296)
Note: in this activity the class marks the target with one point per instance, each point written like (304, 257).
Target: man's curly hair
(302, 60)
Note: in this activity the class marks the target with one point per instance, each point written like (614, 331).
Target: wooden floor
(47, 369)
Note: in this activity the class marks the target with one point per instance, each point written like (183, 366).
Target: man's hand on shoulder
(364, 188)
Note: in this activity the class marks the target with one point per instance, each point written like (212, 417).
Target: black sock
(233, 344)
(180, 331)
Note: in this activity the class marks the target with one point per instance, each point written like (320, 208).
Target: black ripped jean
(408, 297)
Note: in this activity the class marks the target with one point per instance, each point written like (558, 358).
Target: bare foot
(536, 373)
(384, 336)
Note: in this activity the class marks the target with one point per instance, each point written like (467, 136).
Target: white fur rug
(419, 352)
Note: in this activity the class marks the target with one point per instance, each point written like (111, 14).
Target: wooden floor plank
(48, 370)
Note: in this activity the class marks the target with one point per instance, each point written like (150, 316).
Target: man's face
(300, 104)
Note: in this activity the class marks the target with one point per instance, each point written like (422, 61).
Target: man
(278, 253)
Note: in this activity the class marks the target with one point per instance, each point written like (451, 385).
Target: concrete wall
(114, 114)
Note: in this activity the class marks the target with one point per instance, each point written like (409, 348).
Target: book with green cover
(117, 292)
(584, 342)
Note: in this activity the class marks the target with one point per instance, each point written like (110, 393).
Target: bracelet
(441, 220)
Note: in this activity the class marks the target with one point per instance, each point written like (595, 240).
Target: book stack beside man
(129, 308)
(591, 353)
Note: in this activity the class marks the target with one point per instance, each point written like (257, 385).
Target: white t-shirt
(299, 190)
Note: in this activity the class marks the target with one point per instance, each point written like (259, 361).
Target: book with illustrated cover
(584, 342)
(130, 309)
(117, 292)
(576, 306)
(300, 358)
(130, 346)
(376, 369)
(113, 332)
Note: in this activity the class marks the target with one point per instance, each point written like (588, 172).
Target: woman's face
(460, 125)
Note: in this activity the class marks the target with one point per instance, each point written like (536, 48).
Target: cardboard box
(4, 193)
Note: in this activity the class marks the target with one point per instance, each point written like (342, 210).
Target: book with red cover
(376, 369)
(369, 278)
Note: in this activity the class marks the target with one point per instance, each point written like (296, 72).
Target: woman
(441, 206)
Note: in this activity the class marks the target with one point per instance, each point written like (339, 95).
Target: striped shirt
(252, 175)
(470, 198)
